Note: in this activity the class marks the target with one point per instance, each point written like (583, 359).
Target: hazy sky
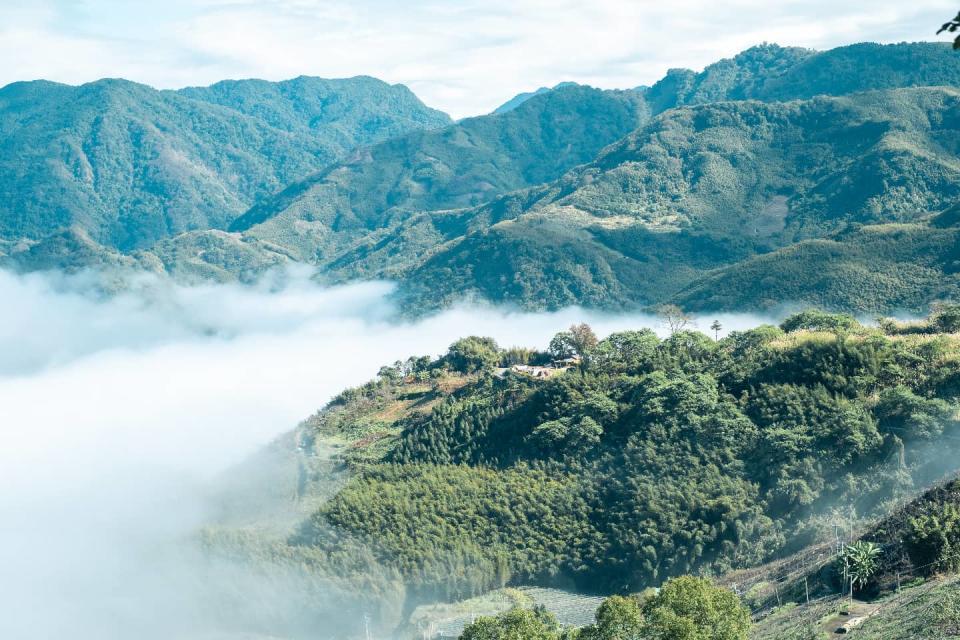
(462, 56)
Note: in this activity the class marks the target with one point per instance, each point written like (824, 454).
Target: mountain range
(795, 465)
(130, 165)
(706, 189)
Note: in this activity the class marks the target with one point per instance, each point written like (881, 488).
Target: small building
(533, 371)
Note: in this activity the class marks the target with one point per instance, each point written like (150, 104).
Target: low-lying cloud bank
(117, 410)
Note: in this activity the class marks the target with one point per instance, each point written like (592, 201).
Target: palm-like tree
(952, 27)
(860, 561)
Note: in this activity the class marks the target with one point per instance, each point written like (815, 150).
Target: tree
(816, 320)
(674, 317)
(550, 434)
(579, 340)
(860, 562)
(933, 539)
(516, 624)
(584, 339)
(473, 353)
(946, 316)
(911, 416)
(689, 608)
(573, 437)
(716, 327)
(951, 27)
(562, 346)
(617, 618)
(390, 374)
(585, 434)
(632, 351)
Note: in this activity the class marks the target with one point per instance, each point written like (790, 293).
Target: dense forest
(129, 165)
(651, 458)
(614, 465)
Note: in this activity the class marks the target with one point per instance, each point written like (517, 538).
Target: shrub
(689, 608)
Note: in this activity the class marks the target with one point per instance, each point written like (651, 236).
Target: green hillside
(704, 187)
(346, 113)
(772, 73)
(776, 177)
(130, 165)
(783, 170)
(463, 165)
(735, 173)
(928, 609)
(652, 458)
(912, 593)
(871, 269)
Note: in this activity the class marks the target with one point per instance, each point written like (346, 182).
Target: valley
(645, 353)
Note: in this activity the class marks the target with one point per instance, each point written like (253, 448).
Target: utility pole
(366, 626)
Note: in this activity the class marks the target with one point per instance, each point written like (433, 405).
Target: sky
(462, 56)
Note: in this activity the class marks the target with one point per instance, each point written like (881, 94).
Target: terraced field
(928, 611)
(448, 620)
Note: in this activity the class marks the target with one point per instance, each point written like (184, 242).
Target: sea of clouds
(118, 409)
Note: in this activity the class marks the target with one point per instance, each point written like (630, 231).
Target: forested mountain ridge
(346, 112)
(703, 187)
(432, 175)
(866, 269)
(129, 165)
(767, 73)
(650, 458)
(464, 165)
(609, 199)
(363, 202)
(771, 73)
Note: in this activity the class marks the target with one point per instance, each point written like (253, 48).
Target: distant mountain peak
(131, 165)
(520, 98)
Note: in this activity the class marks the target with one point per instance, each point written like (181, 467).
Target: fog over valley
(119, 410)
(330, 320)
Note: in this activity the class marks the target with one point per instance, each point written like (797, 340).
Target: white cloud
(117, 411)
(465, 57)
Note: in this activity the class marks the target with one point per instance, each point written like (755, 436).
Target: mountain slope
(782, 170)
(484, 157)
(772, 73)
(872, 269)
(913, 592)
(704, 187)
(653, 458)
(575, 196)
(129, 165)
(460, 166)
(733, 174)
